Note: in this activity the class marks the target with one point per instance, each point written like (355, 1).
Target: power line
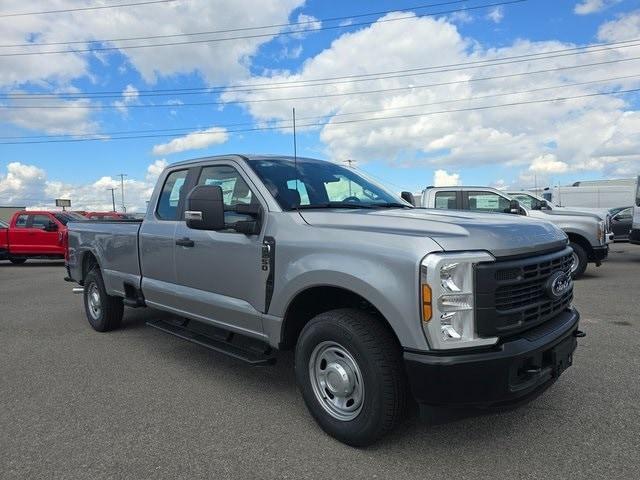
(262, 35)
(328, 95)
(343, 122)
(348, 78)
(79, 9)
(316, 117)
(232, 30)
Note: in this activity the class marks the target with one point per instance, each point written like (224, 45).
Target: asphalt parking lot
(137, 403)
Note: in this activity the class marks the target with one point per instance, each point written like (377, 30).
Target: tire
(580, 260)
(103, 311)
(377, 382)
(17, 261)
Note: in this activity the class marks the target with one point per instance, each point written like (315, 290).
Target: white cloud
(625, 27)
(155, 169)
(129, 96)
(167, 19)
(193, 141)
(29, 185)
(500, 184)
(592, 6)
(442, 178)
(575, 131)
(548, 163)
(75, 120)
(496, 14)
(308, 24)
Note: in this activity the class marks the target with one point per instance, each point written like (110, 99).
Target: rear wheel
(579, 260)
(17, 261)
(103, 311)
(350, 372)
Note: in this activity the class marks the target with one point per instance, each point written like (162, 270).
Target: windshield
(64, 218)
(318, 184)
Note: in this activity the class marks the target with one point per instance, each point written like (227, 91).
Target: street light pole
(113, 198)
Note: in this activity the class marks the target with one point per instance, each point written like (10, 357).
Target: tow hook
(579, 334)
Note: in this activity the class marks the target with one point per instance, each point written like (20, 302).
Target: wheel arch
(317, 299)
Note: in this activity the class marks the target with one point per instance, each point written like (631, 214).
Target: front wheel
(349, 369)
(579, 260)
(103, 311)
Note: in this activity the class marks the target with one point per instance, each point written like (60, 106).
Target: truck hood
(570, 212)
(499, 234)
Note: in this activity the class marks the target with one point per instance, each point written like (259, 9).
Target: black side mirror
(251, 226)
(51, 227)
(514, 207)
(408, 197)
(205, 208)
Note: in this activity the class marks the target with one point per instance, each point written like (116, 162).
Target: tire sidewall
(582, 259)
(370, 416)
(94, 278)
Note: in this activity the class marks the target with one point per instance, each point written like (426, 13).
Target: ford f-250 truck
(382, 302)
(587, 232)
(34, 234)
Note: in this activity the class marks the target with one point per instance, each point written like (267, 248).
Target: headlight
(446, 286)
(601, 232)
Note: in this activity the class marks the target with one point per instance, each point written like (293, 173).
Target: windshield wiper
(334, 205)
(392, 205)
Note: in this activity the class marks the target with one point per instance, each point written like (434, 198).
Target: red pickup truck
(34, 234)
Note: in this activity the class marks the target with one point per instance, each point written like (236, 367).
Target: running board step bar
(237, 346)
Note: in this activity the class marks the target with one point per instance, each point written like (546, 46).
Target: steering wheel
(351, 199)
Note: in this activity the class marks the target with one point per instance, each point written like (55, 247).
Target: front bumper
(599, 253)
(514, 371)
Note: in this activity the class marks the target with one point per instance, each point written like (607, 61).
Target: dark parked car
(621, 219)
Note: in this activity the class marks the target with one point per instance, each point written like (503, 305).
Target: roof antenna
(295, 152)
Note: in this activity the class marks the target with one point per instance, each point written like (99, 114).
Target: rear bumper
(599, 253)
(497, 376)
(634, 236)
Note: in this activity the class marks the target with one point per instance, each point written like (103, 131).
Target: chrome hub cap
(94, 302)
(574, 262)
(336, 380)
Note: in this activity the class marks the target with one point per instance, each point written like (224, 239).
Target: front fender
(391, 288)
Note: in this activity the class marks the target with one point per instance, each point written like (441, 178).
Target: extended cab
(587, 232)
(382, 302)
(34, 234)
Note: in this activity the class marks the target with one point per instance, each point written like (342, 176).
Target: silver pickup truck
(384, 304)
(587, 232)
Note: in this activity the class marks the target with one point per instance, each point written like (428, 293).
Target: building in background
(6, 212)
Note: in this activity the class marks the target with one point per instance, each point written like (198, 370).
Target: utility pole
(113, 198)
(350, 163)
(122, 175)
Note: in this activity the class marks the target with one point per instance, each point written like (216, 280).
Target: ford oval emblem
(558, 284)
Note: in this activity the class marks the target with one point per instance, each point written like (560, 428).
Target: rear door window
(446, 200)
(172, 193)
(21, 221)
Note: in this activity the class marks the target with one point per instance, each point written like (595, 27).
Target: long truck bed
(115, 244)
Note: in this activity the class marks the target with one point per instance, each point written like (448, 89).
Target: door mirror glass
(205, 208)
(408, 197)
(514, 207)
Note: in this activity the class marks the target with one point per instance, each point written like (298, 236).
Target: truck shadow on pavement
(275, 381)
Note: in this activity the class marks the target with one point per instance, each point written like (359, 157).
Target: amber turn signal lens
(426, 302)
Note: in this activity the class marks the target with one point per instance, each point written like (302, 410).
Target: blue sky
(512, 146)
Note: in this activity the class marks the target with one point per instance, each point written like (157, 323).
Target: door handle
(185, 242)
